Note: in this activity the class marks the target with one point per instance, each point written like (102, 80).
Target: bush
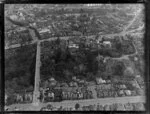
(10, 100)
(118, 68)
(77, 106)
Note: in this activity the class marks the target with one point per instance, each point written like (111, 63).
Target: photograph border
(146, 49)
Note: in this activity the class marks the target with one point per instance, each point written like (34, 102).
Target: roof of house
(120, 107)
(44, 30)
(51, 79)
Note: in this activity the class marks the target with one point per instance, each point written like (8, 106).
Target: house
(135, 84)
(123, 86)
(6, 97)
(74, 95)
(107, 43)
(138, 76)
(127, 92)
(129, 71)
(64, 95)
(71, 84)
(91, 83)
(104, 81)
(77, 80)
(82, 81)
(73, 46)
(135, 59)
(128, 107)
(51, 79)
(133, 93)
(77, 33)
(57, 94)
(139, 107)
(108, 81)
(108, 86)
(99, 80)
(140, 80)
(121, 93)
(111, 93)
(44, 31)
(140, 92)
(51, 95)
(52, 82)
(80, 95)
(28, 96)
(64, 85)
(112, 107)
(19, 98)
(120, 107)
(14, 17)
(75, 84)
(21, 29)
(107, 107)
(106, 94)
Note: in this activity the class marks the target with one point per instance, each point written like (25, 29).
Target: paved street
(70, 103)
(67, 37)
(36, 93)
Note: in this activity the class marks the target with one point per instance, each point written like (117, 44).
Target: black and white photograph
(74, 57)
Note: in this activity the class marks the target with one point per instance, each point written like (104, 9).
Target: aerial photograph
(74, 57)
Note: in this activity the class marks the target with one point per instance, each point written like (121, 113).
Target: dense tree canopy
(19, 68)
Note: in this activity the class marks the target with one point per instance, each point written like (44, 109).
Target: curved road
(127, 56)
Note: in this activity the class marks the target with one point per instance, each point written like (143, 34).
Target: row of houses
(67, 94)
(19, 98)
(139, 106)
(19, 35)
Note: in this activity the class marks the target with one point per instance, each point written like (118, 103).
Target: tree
(128, 72)
(118, 68)
(77, 106)
(90, 76)
(53, 17)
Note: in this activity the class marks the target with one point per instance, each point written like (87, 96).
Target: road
(70, 103)
(124, 32)
(36, 93)
(131, 22)
(67, 37)
(127, 56)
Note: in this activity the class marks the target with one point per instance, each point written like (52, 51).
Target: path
(94, 93)
(66, 38)
(70, 103)
(36, 93)
(127, 56)
(132, 21)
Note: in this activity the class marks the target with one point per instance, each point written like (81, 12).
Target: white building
(73, 46)
(44, 30)
(99, 80)
(107, 43)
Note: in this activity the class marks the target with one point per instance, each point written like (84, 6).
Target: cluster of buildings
(18, 35)
(139, 106)
(54, 25)
(79, 89)
(23, 97)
